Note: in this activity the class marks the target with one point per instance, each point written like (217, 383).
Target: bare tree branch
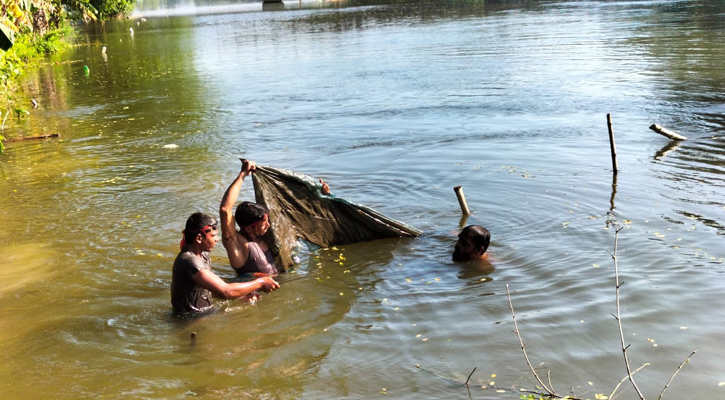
(548, 376)
(626, 378)
(469, 376)
(523, 347)
(673, 375)
(619, 318)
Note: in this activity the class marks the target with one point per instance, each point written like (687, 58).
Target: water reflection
(671, 146)
(462, 222)
(476, 271)
(614, 194)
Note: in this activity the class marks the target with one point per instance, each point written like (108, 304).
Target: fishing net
(298, 209)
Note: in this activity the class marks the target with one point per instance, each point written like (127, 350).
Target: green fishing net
(298, 209)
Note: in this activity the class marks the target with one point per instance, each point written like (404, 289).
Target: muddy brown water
(393, 105)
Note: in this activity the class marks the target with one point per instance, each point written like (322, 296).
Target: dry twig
(619, 319)
(676, 371)
(624, 379)
(523, 347)
(548, 376)
(470, 375)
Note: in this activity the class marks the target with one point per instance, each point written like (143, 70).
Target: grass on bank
(27, 51)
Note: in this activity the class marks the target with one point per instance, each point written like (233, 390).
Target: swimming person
(193, 284)
(472, 243)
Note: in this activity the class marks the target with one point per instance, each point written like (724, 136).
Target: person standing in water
(246, 248)
(193, 284)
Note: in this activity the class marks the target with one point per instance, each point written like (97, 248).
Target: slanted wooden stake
(666, 132)
(615, 167)
(462, 200)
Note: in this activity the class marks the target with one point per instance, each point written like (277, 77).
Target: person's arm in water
(223, 290)
(237, 249)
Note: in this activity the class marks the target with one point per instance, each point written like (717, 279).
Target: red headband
(203, 231)
(261, 221)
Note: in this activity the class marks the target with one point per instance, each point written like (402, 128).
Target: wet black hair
(248, 213)
(478, 235)
(196, 222)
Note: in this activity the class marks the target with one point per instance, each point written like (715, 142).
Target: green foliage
(10, 65)
(87, 10)
(27, 48)
(108, 9)
(81, 10)
(40, 27)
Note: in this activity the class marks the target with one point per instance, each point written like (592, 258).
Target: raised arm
(211, 282)
(235, 249)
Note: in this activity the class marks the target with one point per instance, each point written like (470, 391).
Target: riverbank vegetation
(33, 29)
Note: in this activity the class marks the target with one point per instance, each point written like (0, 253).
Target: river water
(393, 105)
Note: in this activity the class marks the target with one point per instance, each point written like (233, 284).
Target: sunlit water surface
(394, 106)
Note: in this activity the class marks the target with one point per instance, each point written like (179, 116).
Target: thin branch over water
(619, 319)
(676, 371)
(523, 346)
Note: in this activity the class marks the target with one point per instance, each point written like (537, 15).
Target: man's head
(252, 218)
(201, 230)
(472, 243)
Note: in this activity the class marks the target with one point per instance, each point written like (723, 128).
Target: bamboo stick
(666, 132)
(462, 200)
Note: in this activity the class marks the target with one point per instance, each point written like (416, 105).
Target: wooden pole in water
(666, 132)
(462, 199)
(615, 167)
